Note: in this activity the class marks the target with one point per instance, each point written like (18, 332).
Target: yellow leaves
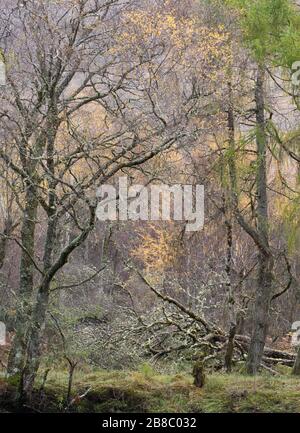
(142, 24)
(187, 41)
(159, 247)
(170, 22)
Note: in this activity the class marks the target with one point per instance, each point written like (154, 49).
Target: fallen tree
(173, 328)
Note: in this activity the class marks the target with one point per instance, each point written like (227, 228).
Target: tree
(75, 61)
(264, 25)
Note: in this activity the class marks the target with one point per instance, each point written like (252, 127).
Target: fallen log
(269, 352)
(283, 361)
(271, 356)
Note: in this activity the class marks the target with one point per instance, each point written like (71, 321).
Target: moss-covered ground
(147, 391)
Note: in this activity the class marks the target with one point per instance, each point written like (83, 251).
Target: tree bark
(198, 374)
(8, 229)
(17, 353)
(230, 348)
(229, 234)
(37, 327)
(265, 260)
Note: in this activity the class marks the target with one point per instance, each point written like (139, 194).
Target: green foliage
(270, 29)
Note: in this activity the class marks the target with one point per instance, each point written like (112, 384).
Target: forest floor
(144, 392)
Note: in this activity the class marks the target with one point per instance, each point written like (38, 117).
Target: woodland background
(189, 92)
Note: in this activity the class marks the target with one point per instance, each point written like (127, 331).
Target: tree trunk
(198, 374)
(34, 340)
(8, 228)
(260, 315)
(264, 289)
(229, 233)
(230, 348)
(17, 353)
(72, 366)
(38, 322)
(230, 300)
(36, 330)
